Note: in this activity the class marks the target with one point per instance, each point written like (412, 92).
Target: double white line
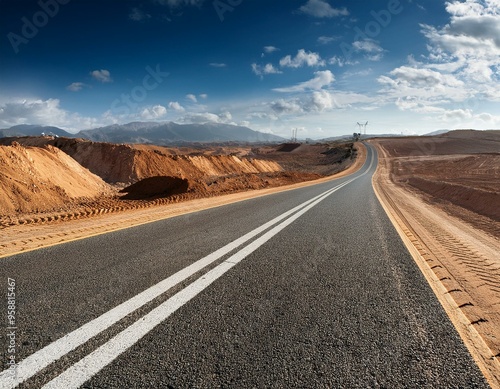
(90, 365)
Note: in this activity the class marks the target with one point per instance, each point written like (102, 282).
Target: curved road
(309, 288)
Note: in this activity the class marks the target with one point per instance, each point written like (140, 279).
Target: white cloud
(282, 106)
(176, 106)
(341, 61)
(207, 117)
(154, 112)
(270, 49)
(75, 86)
(321, 79)
(203, 96)
(102, 75)
(322, 101)
(371, 48)
(368, 46)
(192, 98)
(302, 58)
(316, 102)
(44, 112)
(321, 9)
(260, 70)
(424, 77)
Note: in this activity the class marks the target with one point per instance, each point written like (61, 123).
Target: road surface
(308, 288)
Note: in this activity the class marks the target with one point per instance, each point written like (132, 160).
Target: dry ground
(444, 192)
(216, 175)
(44, 179)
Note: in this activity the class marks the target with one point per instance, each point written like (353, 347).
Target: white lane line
(86, 368)
(52, 352)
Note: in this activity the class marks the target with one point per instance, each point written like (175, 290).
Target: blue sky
(410, 66)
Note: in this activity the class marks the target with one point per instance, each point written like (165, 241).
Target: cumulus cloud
(462, 65)
(176, 106)
(44, 112)
(322, 100)
(207, 117)
(315, 102)
(302, 58)
(154, 112)
(75, 86)
(321, 9)
(203, 96)
(321, 79)
(282, 106)
(260, 70)
(192, 97)
(470, 41)
(102, 75)
(424, 77)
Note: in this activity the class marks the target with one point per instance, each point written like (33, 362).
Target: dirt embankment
(128, 164)
(34, 179)
(151, 175)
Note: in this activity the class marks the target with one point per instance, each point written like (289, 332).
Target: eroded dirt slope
(128, 164)
(144, 176)
(34, 178)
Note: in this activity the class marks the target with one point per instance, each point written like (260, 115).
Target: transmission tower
(362, 127)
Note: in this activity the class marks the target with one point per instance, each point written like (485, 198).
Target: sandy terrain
(443, 193)
(95, 178)
(218, 176)
(34, 179)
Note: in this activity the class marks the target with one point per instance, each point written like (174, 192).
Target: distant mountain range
(169, 133)
(152, 132)
(33, 130)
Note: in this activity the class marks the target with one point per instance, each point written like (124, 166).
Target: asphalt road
(310, 288)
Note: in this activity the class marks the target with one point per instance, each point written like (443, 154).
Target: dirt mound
(126, 164)
(159, 186)
(162, 175)
(287, 147)
(34, 179)
(324, 159)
